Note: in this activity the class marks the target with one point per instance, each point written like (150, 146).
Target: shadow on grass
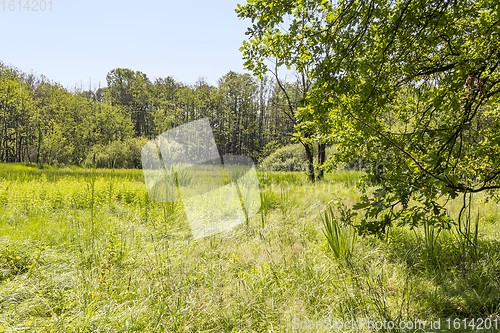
(450, 280)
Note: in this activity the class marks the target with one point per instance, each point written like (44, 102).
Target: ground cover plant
(86, 250)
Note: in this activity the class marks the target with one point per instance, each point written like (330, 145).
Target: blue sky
(79, 41)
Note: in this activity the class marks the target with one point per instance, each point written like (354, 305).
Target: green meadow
(86, 250)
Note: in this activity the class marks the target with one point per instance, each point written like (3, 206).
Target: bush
(289, 158)
(269, 148)
(293, 158)
(119, 154)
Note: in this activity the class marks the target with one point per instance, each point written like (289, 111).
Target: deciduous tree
(409, 84)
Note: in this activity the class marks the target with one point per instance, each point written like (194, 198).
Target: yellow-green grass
(29, 171)
(88, 251)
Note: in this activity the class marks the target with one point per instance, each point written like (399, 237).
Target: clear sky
(79, 41)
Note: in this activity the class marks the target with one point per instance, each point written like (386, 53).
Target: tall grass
(340, 236)
(137, 267)
(27, 172)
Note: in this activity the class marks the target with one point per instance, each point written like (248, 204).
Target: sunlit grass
(29, 171)
(73, 261)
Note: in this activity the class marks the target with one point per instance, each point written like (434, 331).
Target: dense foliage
(412, 85)
(293, 158)
(288, 158)
(42, 122)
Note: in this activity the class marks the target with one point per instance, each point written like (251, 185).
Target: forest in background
(43, 122)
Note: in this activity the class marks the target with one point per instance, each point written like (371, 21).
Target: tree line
(43, 122)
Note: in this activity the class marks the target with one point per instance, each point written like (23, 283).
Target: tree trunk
(321, 159)
(310, 162)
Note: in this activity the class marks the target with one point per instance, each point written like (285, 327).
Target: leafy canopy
(410, 85)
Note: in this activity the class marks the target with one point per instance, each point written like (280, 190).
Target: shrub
(289, 158)
(119, 154)
(269, 148)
